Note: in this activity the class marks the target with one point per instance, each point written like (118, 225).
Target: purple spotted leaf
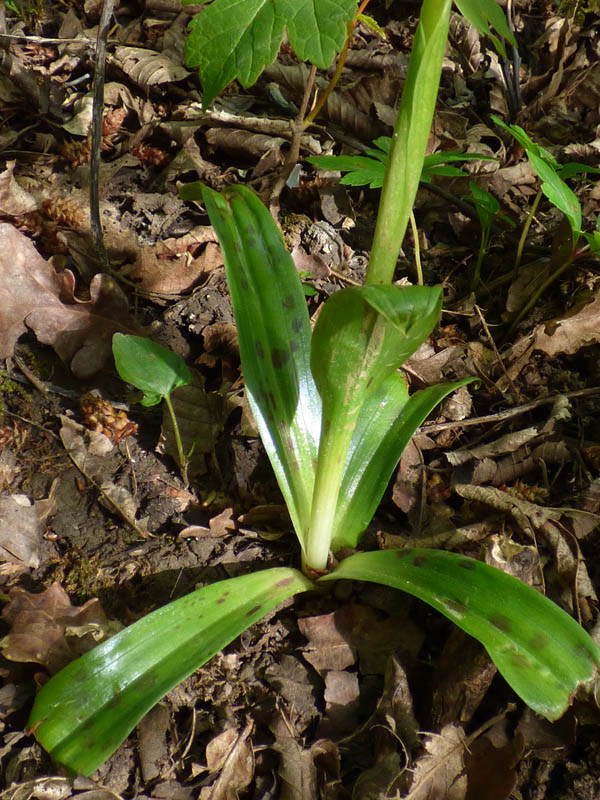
(539, 649)
(85, 711)
(274, 334)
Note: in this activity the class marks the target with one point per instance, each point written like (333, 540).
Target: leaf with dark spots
(501, 622)
(289, 301)
(81, 722)
(259, 349)
(503, 613)
(279, 357)
(297, 324)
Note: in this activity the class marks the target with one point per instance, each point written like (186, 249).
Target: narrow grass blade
(539, 649)
(85, 711)
(386, 424)
(274, 334)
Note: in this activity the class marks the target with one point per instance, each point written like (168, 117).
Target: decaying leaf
(46, 629)
(148, 68)
(231, 755)
(32, 294)
(439, 773)
(14, 200)
(20, 531)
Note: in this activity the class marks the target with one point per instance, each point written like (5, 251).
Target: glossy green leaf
(386, 424)
(274, 335)
(85, 711)
(362, 335)
(538, 648)
(236, 39)
(149, 366)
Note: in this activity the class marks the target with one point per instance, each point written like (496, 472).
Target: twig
(294, 151)
(509, 413)
(97, 114)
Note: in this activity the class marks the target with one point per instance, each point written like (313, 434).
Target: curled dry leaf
(32, 294)
(147, 68)
(14, 200)
(46, 629)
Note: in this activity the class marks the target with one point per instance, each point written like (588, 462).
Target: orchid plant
(334, 414)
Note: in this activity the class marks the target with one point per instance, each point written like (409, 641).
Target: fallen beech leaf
(48, 630)
(32, 294)
(439, 773)
(20, 531)
(14, 200)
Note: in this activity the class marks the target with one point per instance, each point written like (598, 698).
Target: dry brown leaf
(14, 200)
(20, 531)
(231, 754)
(32, 294)
(48, 630)
(438, 774)
(146, 67)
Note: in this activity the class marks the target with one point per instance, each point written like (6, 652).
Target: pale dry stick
(516, 411)
(97, 114)
(293, 155)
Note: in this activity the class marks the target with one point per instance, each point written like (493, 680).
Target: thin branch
(97, 114)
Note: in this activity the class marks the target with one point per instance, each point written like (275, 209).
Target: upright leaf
(387, 422)
(85, 711)
(538, 648)
(149, 366)
(274, 334)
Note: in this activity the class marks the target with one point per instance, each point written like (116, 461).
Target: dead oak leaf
(46, 629)
(33, 295)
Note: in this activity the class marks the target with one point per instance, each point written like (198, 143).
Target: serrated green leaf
(149, 366)
(538, 648)
(274, 335)
(557, 191)
(386, 423)
(482, 13)
(233, 39)
(85, 711)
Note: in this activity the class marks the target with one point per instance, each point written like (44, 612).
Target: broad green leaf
(482, 13)
(362, 335)
(149, 366)
(386, 423)
(237, 38)
(274, 335)
(557, 191)
(85, 711)
(538, 648)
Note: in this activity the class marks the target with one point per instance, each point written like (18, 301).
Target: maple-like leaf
(237, 38)
(33, 295)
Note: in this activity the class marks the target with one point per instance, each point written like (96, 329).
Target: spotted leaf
(85, 711)
(539, 649)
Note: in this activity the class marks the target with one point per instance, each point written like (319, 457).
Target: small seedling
(155, 371)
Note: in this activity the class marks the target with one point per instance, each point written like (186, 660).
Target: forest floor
(365, 693)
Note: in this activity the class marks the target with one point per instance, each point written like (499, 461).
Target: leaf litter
(331, 708)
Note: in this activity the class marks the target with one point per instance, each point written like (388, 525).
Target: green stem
(485, 238)
(330, 469)
(525, 231)
(181, 457)
(413, 225)
(409, 140)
